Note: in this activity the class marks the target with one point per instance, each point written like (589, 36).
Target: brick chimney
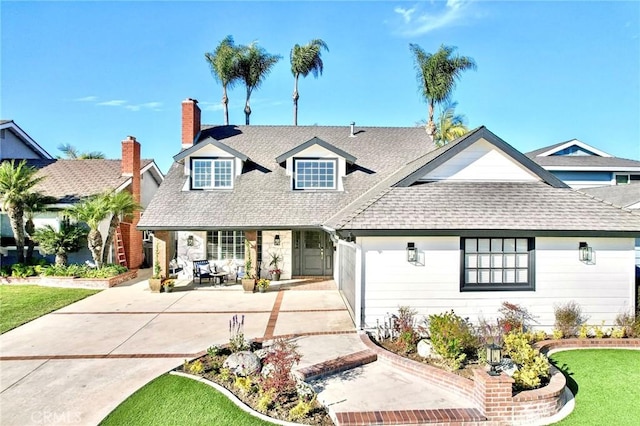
(132, 238)
(190, 122)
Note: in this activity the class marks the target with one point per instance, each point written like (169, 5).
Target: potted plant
(155, 282)
(248, 281)
(168, 285)
(275, 270)
(263, 285)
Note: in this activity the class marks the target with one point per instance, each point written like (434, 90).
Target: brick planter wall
(73, 282)
(493, 395)
(547, 345)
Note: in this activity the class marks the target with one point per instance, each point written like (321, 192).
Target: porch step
(337, 365)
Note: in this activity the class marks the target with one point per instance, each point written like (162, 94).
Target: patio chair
(202, 269)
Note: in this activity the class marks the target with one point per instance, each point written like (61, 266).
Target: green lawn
(606, 383)
(22, 303)
(175, 400)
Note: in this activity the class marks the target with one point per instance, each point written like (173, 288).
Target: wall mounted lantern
(190, 240)
(276, 240)
(585, 253)
(412, 253)
(494, 355)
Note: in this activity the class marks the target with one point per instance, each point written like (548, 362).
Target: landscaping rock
(425, 349)
(243, 363)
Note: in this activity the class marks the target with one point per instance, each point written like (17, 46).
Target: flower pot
(262, 289)
(155, 284)
(168, 288)
(275, 277)
(248, 285)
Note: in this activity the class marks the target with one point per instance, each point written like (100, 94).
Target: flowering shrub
(514, 317)
(569, 318)
(281, 358)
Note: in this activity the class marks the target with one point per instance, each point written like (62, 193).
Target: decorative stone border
(72, 282)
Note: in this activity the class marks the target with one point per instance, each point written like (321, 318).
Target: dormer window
(315, 173)
(212, 173)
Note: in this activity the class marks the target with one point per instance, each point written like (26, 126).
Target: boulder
(425, 349)
(243, 363)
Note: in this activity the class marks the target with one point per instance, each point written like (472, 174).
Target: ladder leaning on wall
(120, 253)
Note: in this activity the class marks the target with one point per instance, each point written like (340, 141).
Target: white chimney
(353, 125)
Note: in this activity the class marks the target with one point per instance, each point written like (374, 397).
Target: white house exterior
(395, 220)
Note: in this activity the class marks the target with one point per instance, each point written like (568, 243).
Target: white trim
(212, 162)
(153, 167)
(575, 142)
(23, 135)
(334, 163)
(124, 185)
(620, 169)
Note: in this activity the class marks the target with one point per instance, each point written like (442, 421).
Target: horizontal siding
(481, 161)
(602, 289)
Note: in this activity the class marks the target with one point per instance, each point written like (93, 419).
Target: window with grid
(212, 173)
(222, 245)
(315, 174)
(497, 264)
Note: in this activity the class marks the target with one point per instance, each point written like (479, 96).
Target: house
(71, 180)
(583, 166)
(394, 220)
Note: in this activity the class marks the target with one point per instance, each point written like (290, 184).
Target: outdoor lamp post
(276, 240)
(494, 355)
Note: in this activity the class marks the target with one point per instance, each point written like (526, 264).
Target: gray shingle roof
(262, 197)
(454, 206)
(618, 195)
(71, 180)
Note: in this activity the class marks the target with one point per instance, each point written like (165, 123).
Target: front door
(315, 252)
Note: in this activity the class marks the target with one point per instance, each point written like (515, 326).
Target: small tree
(69, 239)
(92, 211)
(119, 204)
(34, 202)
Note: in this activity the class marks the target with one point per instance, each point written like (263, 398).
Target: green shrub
(539, 336)
(569, 318)
(617, 332)
(584, 331)
(557, 334)
(244, 384)
(81, 271)
(452, 337)
(195, 367)
(532, 365)
(225, 374)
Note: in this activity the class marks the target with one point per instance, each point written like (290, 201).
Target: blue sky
(91, 73)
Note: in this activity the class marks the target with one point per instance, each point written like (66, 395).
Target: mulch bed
(279, 410)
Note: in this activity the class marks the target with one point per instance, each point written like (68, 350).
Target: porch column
(252, 238)
(161, 244)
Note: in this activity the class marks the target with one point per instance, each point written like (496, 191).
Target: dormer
(316, 166)
(211, 165)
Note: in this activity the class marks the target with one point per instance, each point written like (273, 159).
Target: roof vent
(353, 125)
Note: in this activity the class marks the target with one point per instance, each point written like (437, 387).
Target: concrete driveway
(77, 364)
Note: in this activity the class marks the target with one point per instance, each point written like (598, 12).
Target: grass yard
(605, 383)
(22, 303)
(175, 400)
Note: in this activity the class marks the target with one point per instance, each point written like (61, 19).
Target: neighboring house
(394, 220)
(582, 166)
(608, 178)
(71, 180)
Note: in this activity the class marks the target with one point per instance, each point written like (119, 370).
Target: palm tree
(450, 125)
(254, 64)
(60, 242)
(34, 202)
(120, 204)
(224, 67)
(16, 183)
(72, 153)
(304, 60)
(92, 211)
(437, 74)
